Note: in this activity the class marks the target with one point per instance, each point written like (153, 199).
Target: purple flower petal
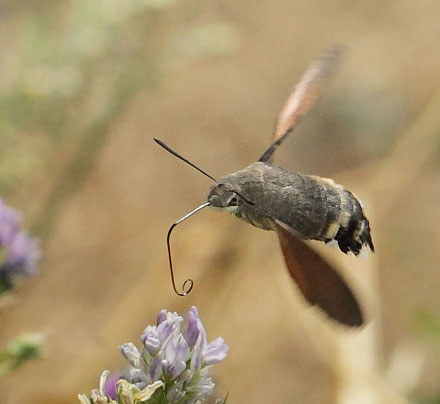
(19, 252)
(195, 330)
(110, 387)
(131, 353)
(192, 331)
(169, 326)
(215, 352)
(176, 369)
(175, 354)
(156, 369)
(196, 358)
(10, 224)
(162, 316)
(197, 354)
(151, 341)
(22, 254)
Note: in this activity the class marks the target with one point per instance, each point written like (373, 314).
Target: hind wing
(319, 283)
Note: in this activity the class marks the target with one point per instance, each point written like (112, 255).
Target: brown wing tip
(351, 316)
(358, 321)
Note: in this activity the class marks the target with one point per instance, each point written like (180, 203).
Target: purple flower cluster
(172, 367)
(19, 252)
(181, 359)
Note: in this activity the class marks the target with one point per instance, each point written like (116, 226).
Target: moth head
(226, 195)
(222, 196)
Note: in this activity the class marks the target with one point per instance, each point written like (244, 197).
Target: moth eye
(233, 201)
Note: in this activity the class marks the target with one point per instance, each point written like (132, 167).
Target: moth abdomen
(345, 222)
(356, 233)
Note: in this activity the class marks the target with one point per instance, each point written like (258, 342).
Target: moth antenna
(303, 96)
(189, 283)
(170, 150)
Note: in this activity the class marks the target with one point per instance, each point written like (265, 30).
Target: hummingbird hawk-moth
(296, 206)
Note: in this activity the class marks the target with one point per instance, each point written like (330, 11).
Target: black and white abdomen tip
(354, 230)
(354, 236)
(346, 222)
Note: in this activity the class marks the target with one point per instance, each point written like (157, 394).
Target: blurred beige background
(85, 86)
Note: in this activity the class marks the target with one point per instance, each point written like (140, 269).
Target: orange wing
(303, 96)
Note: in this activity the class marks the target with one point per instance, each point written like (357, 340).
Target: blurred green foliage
(19, 351)
(430, 400)
(428, 324)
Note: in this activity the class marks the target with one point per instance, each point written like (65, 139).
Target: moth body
(310, 207)
(298, 207)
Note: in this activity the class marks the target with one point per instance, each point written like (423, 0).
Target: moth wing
(320, 284)
(304, 96)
